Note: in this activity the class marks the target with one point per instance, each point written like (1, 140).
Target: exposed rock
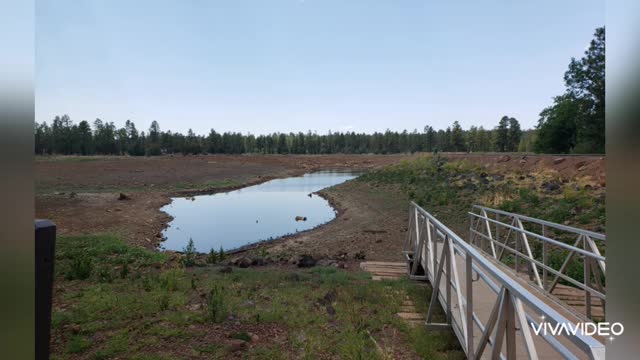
(123, 196)
(326, 262)
(226, 270)
(557, 161)
(243, 262)
(306, 261)
(550, 186)
(236, 345)
(504, 158)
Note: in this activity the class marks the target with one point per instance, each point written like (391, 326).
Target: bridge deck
(484, 299)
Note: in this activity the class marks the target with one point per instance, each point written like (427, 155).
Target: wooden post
(45, 249)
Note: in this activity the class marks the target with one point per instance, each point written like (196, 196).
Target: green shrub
(216, 307)
(80, 268)
(221, 255)
(212, 258)
(189, 254)
(124, 271)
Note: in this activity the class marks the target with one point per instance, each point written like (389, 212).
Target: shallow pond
(248, 215)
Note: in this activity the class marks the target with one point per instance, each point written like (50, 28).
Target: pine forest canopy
(574, 123)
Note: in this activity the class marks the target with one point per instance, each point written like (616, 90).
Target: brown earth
(80, 194)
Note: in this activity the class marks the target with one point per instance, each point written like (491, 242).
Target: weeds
(80, 268)
(190, 254)
(216, 309)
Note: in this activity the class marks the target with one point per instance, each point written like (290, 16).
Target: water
(241, 217)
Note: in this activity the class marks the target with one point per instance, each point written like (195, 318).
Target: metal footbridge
(513, 276)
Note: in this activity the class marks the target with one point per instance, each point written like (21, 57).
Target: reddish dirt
(80, 194)
(567, 167)
(371, 220)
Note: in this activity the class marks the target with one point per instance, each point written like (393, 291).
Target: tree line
(63, 136)
(573, 124)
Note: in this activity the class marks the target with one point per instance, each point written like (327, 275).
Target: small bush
(189, 254)
(216, 307)
(212, 258)
(164, 302)
(124, 271)
(80, 268)
(221, 255)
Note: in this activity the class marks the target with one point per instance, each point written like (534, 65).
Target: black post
(45, 249)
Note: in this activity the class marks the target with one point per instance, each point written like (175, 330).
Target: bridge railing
(433, 252)
(549, 253)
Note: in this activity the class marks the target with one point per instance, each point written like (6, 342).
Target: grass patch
(323, 312)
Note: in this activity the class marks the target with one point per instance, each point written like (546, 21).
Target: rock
(236, 345)
(123, 196)
(341, 255)
(194, 307)
(226, 270)
(243, 262)
(550, 186)
(306, 261)
(255, 338)
(557, 161)
(75, 328)
(504, 158)
(360, 255)
(326, 262)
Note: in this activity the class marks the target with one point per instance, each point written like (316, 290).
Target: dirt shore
(81, 194)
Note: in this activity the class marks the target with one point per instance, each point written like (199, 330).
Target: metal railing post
(469, 313)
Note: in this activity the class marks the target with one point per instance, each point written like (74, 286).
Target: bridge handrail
(510, 289)
(590, 280)
(591, 234)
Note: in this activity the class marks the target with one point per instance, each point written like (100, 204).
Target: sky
(296, 65)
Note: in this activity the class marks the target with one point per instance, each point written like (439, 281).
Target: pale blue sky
(293, 65)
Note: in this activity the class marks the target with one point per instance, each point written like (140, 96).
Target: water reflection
(251, 214)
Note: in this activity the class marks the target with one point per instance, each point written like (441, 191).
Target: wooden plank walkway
(393, 271)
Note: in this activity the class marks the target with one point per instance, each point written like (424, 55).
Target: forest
(574, 123)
